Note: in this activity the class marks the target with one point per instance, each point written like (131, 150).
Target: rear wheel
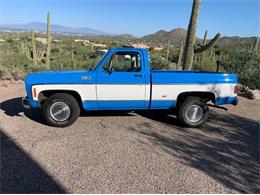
(61, 110)
(193, 112)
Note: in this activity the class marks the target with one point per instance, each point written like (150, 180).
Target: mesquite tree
(190, 49)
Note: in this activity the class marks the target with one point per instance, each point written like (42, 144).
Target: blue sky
(138, 17)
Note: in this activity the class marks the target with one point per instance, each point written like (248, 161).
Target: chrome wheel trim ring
(194, 113)
(60, 111)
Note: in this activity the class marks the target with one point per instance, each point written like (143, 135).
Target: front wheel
(61, 110)
(193, 112)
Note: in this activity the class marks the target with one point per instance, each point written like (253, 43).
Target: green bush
(246, 64)
(158, 62)
(205, 61)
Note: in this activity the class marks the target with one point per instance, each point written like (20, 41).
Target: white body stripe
(122, 92)
(137, 92)
(86, 92)
(171, 92)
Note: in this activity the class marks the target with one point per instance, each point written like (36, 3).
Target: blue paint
(90, 105)
(128, 105)
(226, 100)
(34, 104)
(122, 105)
(192, 77)
(163, 104)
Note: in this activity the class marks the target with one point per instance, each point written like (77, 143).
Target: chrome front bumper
(25, 103)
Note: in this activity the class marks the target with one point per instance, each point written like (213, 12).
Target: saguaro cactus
(204, 43)
(168, 50)
(180, 57)
(31, 52)
(211, 44)
(256, 44)
(24, 48)
(191, 36)
(34, 57)
(189, 49)
(205, 38)
(72, 60)
(49, 39)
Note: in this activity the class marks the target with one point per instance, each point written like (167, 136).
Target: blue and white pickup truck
(123, 80)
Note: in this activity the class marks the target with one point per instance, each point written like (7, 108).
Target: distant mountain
(125, 36)
(178, 34)
(41, 27)
(161, 37)
(224, 41)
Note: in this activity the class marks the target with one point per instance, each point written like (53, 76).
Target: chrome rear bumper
(25, 103)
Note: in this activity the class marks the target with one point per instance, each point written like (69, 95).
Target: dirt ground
(127, 152)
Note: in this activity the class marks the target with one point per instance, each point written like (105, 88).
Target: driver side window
(124, 62)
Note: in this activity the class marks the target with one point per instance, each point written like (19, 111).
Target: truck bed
(168, 85)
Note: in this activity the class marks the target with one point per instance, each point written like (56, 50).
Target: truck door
(121, 82)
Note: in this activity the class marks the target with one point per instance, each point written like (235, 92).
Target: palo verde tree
(190, 49)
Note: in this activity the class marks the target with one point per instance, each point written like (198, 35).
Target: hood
(60, 77)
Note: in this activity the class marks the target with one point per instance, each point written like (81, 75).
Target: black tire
(71, 112)
(189, 104)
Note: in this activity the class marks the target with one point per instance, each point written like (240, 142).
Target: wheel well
(207, 96)
(43, 95)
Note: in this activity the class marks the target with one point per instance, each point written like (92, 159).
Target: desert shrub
(158, 62)
(11, 73)
(173, 54)
(205, 61)
(246, 64)
(90, 63)
(4, 73)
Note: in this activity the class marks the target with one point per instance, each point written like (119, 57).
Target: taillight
(236, 89)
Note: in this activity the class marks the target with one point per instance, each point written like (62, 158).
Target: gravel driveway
(127, 152)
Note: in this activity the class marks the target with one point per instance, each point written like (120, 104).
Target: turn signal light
(34, 92)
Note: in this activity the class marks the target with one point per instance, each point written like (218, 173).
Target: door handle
(139, 75)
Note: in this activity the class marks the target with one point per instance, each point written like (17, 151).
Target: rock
(249, 93)
(254, 94)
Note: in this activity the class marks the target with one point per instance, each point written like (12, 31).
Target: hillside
(179, 34)
(175, 35)
(226, 41)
